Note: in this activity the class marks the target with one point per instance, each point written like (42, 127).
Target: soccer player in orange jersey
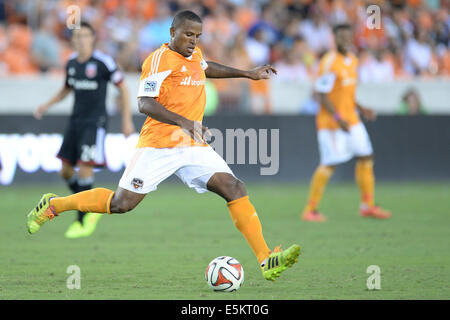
(172, 94)
(341, 134)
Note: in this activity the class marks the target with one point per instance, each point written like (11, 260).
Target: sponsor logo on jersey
(91, 70)
(347, 61)
(150, 86)
(83, 84)
(137, 183)
(188, 81)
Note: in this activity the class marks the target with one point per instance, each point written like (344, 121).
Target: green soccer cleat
(90, 220)
(278, 261)
(75, 230)
(41, 214)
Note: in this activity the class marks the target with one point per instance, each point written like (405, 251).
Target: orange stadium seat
(18, 61)
(17, 54)
(20, 36)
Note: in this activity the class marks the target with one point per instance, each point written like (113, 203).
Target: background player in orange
(88, 72)
(172, 94)
(341, 134)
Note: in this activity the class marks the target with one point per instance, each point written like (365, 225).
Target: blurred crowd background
(413, 40)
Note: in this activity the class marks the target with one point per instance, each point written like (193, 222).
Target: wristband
(336, 116)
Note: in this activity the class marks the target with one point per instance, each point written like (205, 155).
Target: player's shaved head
(185, 32)
(183, 16)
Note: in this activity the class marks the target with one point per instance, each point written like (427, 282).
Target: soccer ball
(224, 274)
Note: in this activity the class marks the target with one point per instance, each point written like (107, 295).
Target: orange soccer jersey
(178, 83)
(338, 78)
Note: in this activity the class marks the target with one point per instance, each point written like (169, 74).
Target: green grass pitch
(161, 249)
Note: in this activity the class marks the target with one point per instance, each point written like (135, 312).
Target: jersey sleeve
(112, 71)
(327, 75)
(114, 74)
(155, 70)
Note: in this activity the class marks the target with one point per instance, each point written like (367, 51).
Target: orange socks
(318, 184)
(366, 181)
(245, 218)
(95, 200)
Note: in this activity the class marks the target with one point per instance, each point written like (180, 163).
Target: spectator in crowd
(411, 104)
(258, 48)
(265, 28)
(233, 92)
(258, 51)
(120, 29)
(3, 45)
(440, 33)
(418, 54)
(155, 31)
(45, 47)
(291, 67)
(16, 55)
(317, 33)
(2, 12)
(376, 67)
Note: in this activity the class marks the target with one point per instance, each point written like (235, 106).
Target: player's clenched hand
(262, 72)
(343, 124)
(128, 128)
(368, 114)
(196, 130)
(39, 112)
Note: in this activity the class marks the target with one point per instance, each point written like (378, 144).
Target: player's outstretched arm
(152, 108)
(39, 112)
(217, 70)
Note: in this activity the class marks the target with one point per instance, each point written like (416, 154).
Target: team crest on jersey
(91, 70)
(204, 64)
(71, 71)
(149, 86)
(137, 183)
(348, 61)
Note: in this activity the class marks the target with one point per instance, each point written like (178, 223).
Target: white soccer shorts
(338, 146)
(193, 165)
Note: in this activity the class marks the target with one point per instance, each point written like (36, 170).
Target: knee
(328, 170)
(120, 205)
(66, 172)
(236, 189)
(366, 158)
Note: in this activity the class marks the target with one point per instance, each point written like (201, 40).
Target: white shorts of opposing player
(193, 165)
(338, 146)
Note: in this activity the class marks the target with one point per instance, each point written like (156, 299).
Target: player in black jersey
(88, 72)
